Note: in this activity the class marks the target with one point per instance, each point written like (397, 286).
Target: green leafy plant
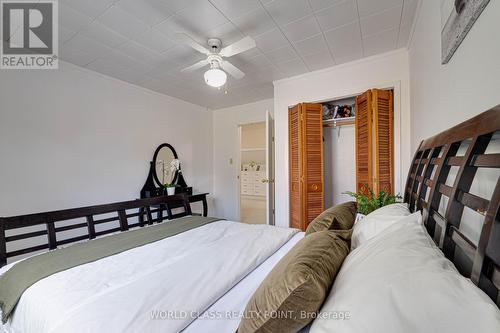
(367, 203)
(168, 185)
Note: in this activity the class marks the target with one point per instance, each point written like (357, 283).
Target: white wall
(442, 96)
(72, 137)
(382, 71)
(225, 149)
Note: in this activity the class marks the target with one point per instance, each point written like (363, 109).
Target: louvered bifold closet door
(294, 139)
(383, 155)
(312, 126)
(364, 142)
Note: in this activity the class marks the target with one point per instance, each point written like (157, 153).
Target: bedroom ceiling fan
(216, 76)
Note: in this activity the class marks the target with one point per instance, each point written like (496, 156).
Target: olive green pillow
(344, 234)
(295, 289)
(345, 214)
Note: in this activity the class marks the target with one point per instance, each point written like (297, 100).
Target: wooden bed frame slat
(455, 161)
(90, 226)
(487, 160)
(27, 250)
(14, 238)
(49, 220)
(72, 240)
(106, 220)
(123, 220)
(107, 231)
(51, 231)
(478, 204)
(463, 242)
(440, 152)
(436, 160)
(445, 189)
(71, 227)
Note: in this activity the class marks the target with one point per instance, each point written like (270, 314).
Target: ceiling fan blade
(233, 70)
(240, 46)
(185, 38)
(196, 66)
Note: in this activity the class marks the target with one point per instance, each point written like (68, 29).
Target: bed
(201, 275)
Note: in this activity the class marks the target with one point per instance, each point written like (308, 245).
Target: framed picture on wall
(457, 18)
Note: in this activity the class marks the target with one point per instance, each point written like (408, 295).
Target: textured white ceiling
(133, 40)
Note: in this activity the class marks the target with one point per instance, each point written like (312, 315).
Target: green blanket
(29, 271)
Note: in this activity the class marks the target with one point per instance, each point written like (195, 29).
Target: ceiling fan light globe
(215, 77)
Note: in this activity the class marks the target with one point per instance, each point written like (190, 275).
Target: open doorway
(253, 173)
(256, 189)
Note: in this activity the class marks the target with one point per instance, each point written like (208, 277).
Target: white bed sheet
(230, 306)
(117, 293)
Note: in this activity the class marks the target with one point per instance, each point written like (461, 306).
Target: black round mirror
(166, 165)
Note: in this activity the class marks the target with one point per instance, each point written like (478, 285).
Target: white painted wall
(225, 148)
(445, 95)
(72, 137)
(381, 71)
(442, 96)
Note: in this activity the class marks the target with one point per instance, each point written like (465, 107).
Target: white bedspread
(174, 279)
(230, 307)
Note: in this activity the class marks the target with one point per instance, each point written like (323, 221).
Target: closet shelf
(336, 122)
(253, 149)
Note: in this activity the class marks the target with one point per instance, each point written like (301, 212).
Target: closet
(338, 146)
(305, 164)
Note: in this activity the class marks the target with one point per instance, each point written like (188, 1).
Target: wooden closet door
(364, 142)
(305, 130)
(383, 151)
(295, 168)
(312, 126)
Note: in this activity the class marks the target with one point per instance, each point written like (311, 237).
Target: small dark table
(197, 197)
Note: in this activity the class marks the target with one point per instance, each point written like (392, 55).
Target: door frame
(270, 170)
(238, 165)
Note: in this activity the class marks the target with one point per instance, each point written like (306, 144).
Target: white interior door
(270, 167)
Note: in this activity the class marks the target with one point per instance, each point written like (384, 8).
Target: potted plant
(367, 203)
(170, 188)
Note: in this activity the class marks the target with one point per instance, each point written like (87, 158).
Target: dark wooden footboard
(85, 220)
(465, 149)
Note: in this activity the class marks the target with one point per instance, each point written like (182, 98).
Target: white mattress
(230, 306)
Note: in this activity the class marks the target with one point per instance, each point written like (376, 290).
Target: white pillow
(377, 221)
(401, 282)
(396, 209)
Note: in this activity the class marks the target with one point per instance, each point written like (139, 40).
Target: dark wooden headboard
(115, 217)
(461, 151)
